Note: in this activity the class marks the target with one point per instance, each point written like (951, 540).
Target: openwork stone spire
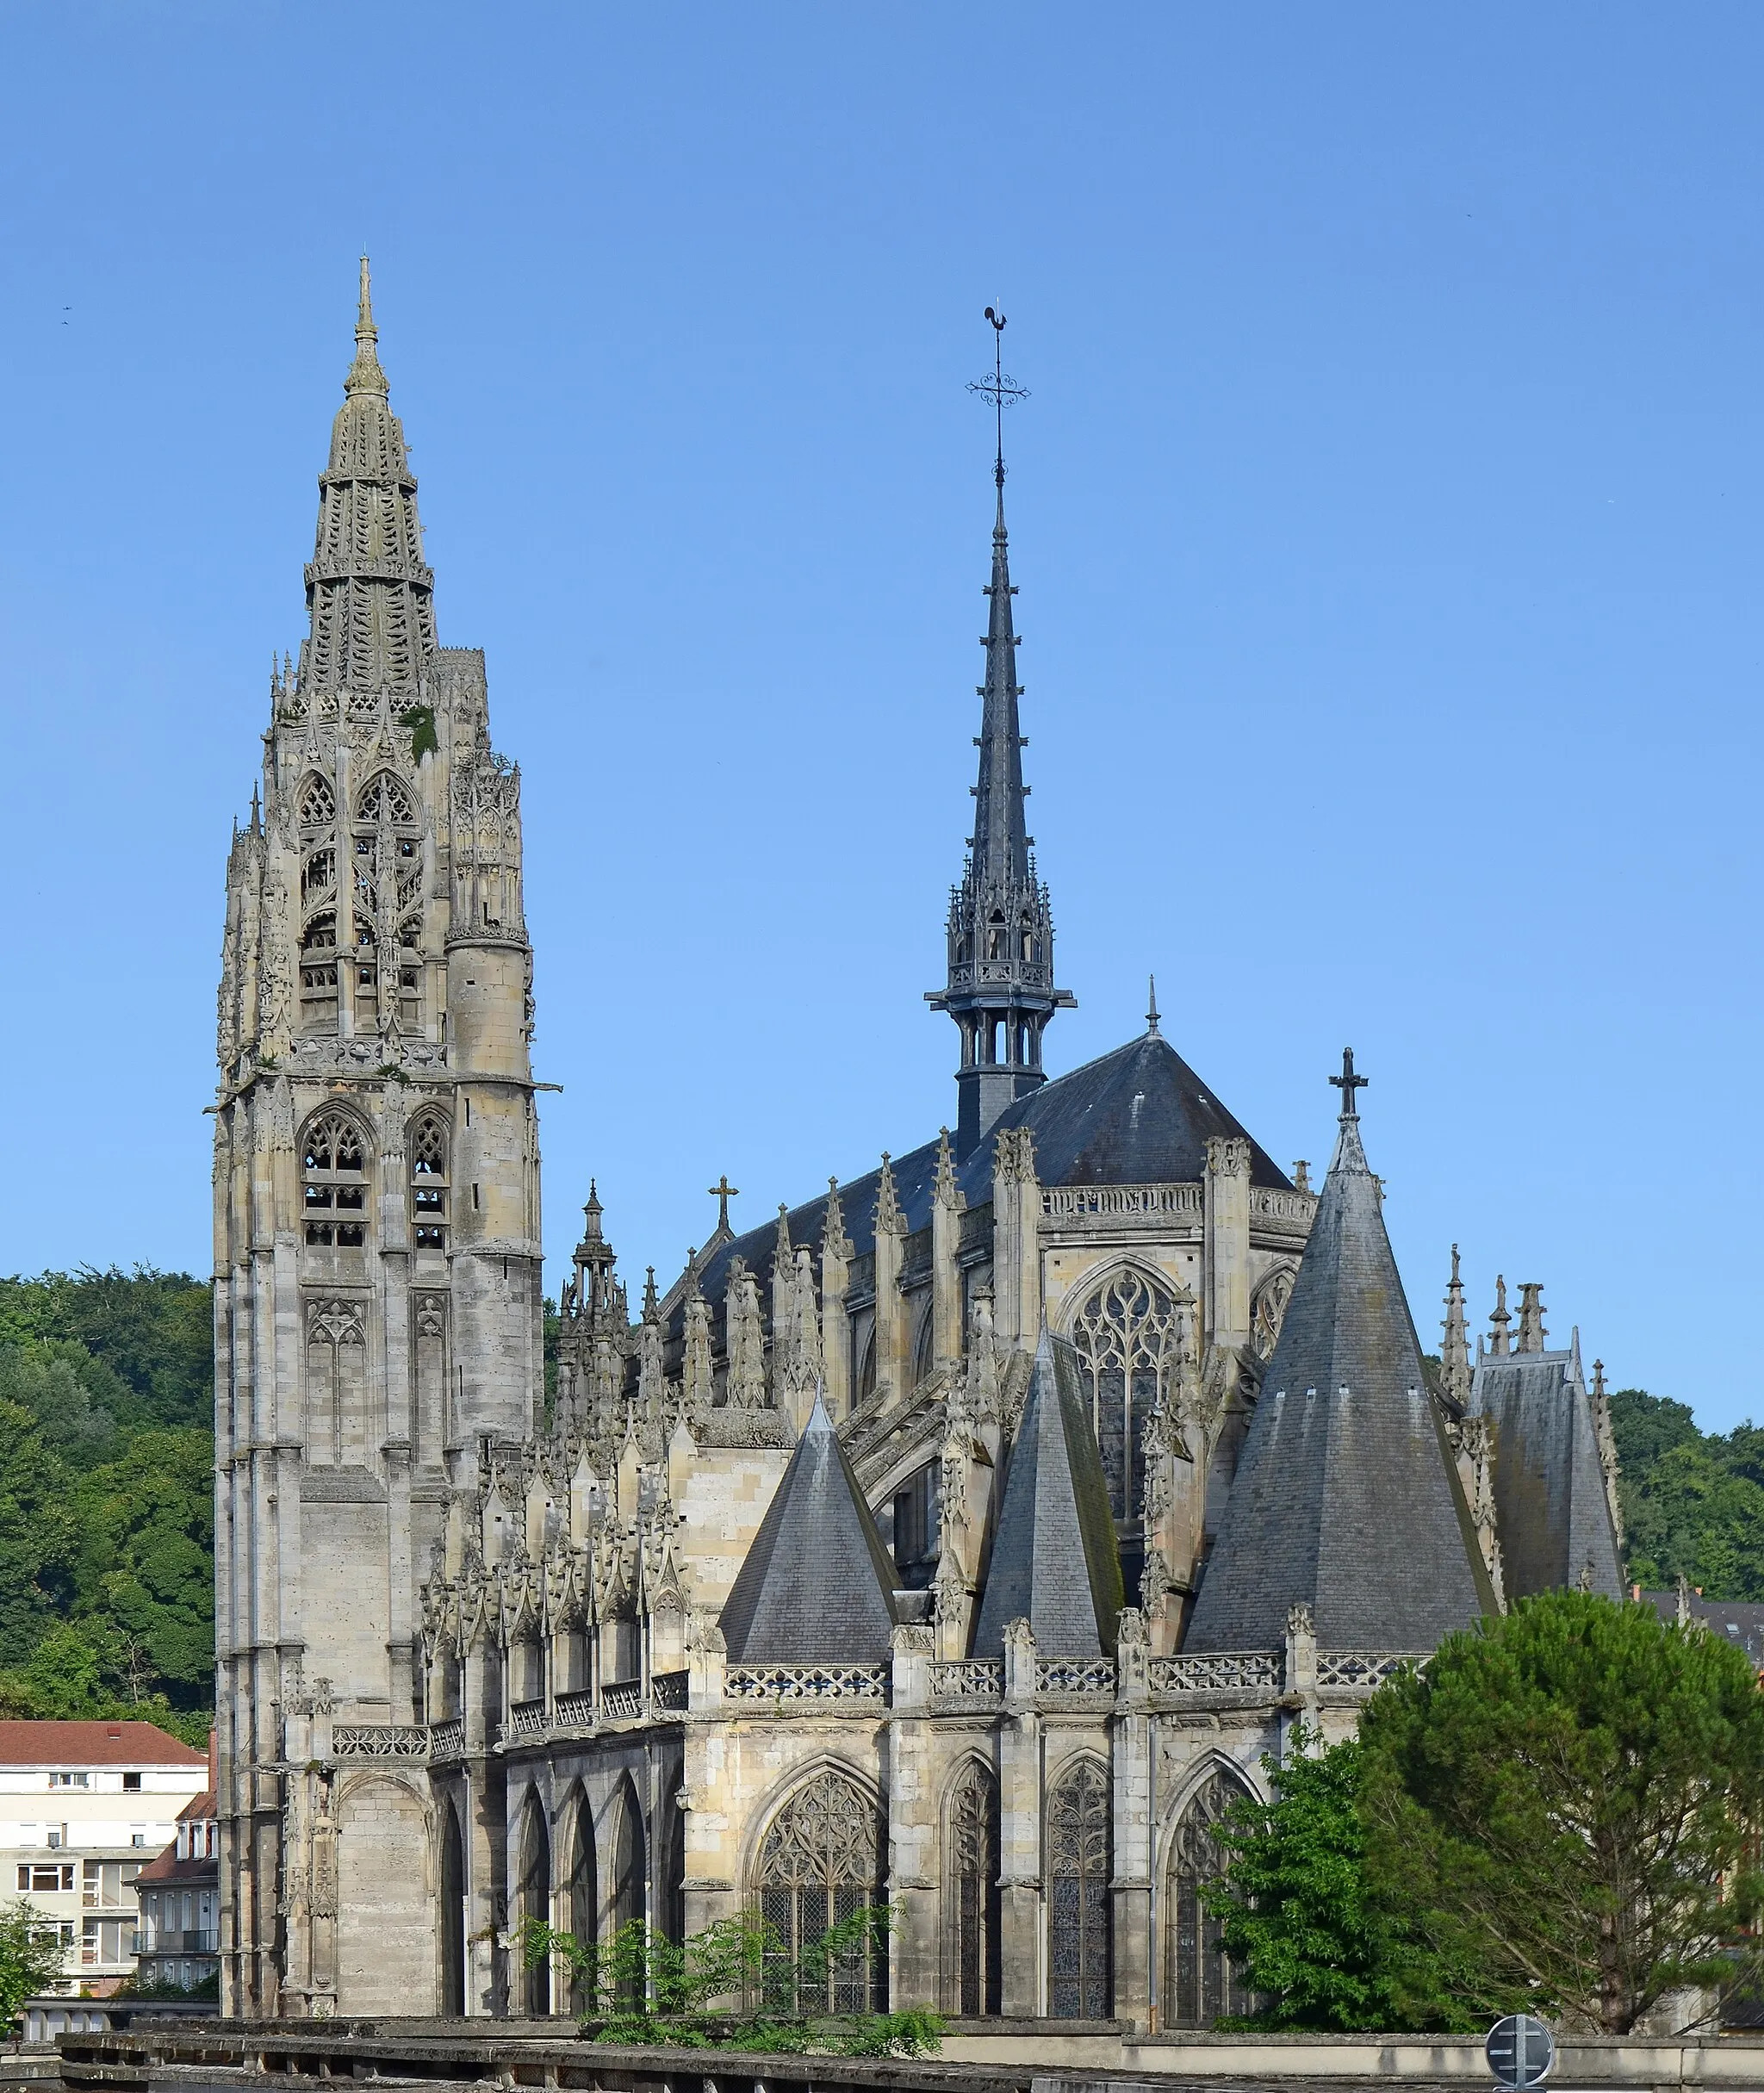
(1000, 930)
(369, 593)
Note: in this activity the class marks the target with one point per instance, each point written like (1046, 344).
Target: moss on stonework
(420, 719)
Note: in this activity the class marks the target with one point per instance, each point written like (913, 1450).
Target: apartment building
(179, 1940)
(83, 1808)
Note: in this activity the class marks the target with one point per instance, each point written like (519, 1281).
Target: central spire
(370, 591)
(1000, 931)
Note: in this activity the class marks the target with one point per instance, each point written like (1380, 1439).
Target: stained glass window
(1204, 1984)
(1077, 1882)
(820, 1863)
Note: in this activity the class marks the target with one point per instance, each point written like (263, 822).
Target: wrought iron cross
(723, 1191)
(1001, 388)
(1347, 1083)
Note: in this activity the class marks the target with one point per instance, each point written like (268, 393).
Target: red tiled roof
(74, 1744)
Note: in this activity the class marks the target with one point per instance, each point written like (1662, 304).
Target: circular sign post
(1520, 2050)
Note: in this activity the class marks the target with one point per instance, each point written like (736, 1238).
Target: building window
(131, 1784)
(1078, 1879)
(1204, 1984)
(1129, 1335)
(334, 1182)
(973, 1893)
(428, 1182)
(917, 1519)
(70, 1780)
(821, 1862)
(43, 1881)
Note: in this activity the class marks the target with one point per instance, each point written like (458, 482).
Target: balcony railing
(191, 1940)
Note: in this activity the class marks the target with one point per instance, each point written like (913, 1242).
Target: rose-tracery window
(334, 1182)
(1268, 1311)
(1079, 1960)
(820, 1862)
(428, 1182)
(1129, 1336)
(972, 1893)
(1204, 1984)
(386, 795)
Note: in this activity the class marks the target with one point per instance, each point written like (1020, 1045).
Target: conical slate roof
(1346, 1495)
(1054, 1559)
(816, 1587)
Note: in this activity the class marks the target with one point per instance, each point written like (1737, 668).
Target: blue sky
(1387, 516)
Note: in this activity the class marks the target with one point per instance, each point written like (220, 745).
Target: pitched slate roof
(817, 1584)
(1139, 1116)
(1346, 1495)
(1054, 1561)
(1550, 1507)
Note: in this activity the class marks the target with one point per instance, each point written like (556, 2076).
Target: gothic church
(962, 1539)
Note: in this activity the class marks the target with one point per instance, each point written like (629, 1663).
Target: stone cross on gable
(723, 1191)
(1347, 1083)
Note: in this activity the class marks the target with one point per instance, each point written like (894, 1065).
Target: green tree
(1564, 1800)
(39, 1534)
(1693, 1502)
(1315, 1940)
(30, 1958)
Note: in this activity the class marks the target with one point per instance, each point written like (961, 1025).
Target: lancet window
(1204, 1984)
(428, 1182)
(971, 1894)
(333, 1182)
(1080, 1966)
(820, 1863)
(386, 899)
(315, 806)
(581, 1896)
(1128, 1335)
(532, 1903)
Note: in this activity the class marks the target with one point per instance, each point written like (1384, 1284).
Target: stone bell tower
(377, 1300)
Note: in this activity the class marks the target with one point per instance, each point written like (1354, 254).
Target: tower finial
(1152, 1014)
(365, 375)
(1347, 1083)
(364, 307)
(1004, 391)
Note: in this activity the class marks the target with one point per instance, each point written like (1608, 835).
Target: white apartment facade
(83, 1808)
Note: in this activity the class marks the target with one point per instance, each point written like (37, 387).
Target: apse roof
(816, 1586)
(1346, 1495)
(1138, 1115)
(1550, 1503)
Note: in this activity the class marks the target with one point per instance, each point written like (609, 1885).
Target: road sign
(1520, 2050)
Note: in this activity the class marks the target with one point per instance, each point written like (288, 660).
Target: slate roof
(1552, 1512)
(1054, 1561)
(1346, 1495)
(1139, 1116)
(817, 1584)
(1736, 1620)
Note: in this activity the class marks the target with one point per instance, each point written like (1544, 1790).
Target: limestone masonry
(961, 1540)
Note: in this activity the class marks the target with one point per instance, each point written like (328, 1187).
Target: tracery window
(317, 804)
(820, 1862)
(1268, 1310)
(532, 1902)
(334, 1183)
(428, 1182)
(318, 966)
(1204, 1984)
(1080, 1968)
(581, 1896)
(387, 795)
(1128, 1335)
(386, 899)
(973, 1895)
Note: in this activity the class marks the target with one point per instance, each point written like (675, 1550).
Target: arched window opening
(317, 967)
(455, 1920)
(334, 1183)
(317, 803)
(387, 796)
(629, 1849)
(581, 1896)
(1204, 1984)
(1079, 1958)
(995, 935)
(428, 1182)
(820, 1861)
(532, 1906)
(971, 1895)
(1268, 1310)
(1128, 1335)
(318, 876)
(916, 1517)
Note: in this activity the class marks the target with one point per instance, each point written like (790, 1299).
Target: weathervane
(1001, 388)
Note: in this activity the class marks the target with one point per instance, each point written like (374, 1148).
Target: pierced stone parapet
(380, 1740)
(1249, 1671)
(446, 1741)
(968, 1679)
(806, 1682)
(1090, 1677)
(1363, 1670)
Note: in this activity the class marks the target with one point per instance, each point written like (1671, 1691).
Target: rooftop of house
(75, 1744)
